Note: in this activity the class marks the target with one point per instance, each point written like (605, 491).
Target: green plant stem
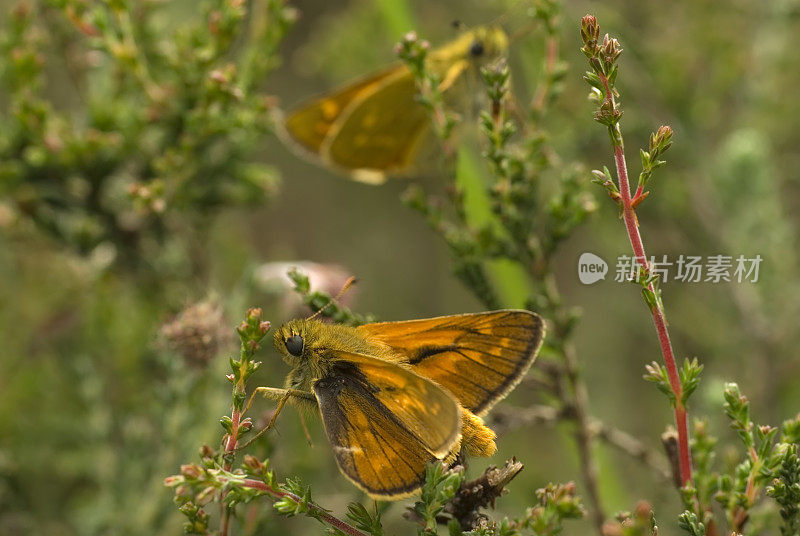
(583, 435)
(580, 398)
(318, 511)
(751, 492)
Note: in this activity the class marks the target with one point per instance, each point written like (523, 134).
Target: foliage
(165, 130)
(135, 132)
(322, 302)
(215, 480)
(527, 222)
(767, 468)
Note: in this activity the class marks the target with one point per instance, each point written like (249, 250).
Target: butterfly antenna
(347, 284)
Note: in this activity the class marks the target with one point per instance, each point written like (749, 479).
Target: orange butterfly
(375, 126)
(395, 396)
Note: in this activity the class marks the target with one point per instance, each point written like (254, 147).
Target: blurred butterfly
(396, 396)
(374, 126)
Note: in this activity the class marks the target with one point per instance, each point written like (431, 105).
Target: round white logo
(591, 268)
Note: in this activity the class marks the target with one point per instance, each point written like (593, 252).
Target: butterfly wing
(311, 122)
(381, 131)
(478, 357)
(385, 423)
(367, 129)
(375, 126)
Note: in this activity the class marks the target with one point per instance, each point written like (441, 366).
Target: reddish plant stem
(230, 450)
(319, 512)
(659, 319)
(632, 225)
(230, 444)
(551, 60)
(751, 492)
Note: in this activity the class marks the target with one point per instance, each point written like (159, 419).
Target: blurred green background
(97, 406)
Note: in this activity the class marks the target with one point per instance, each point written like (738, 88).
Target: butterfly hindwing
(385, 423)
(477, 357)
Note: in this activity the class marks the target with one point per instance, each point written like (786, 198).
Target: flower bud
(191, 471)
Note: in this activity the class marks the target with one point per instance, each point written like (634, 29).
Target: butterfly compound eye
(476, 49)
(294, 345)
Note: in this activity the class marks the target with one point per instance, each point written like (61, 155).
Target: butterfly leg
(282, 396)
(276, 393)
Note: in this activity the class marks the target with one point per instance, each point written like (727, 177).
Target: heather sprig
(526, 221)
(215, 479)
(165, 135)
(603, 59)
(323, 303)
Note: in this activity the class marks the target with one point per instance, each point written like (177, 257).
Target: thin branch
(579, 399)
(230, 451)
(583, 435)
(318, 511)
(507, 418)
(631, 446)
(251, 331)
(228, 456)
(543, 92)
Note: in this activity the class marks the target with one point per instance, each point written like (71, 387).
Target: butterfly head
(487, 43)
(295, 340)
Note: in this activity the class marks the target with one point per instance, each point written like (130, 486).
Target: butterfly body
(322, 342)
(395, 396)
(375, 126)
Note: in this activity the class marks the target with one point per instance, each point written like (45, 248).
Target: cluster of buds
(639, 522)
(660, 141)
(413, 50)
(148, 197)
(602, 56)
(224, 81)
(253, 328)
(556, 503)
(603, 61)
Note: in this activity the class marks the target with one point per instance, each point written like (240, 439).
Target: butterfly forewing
(385, 423)
(476, 357)
(382, 130)
(312, 122)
